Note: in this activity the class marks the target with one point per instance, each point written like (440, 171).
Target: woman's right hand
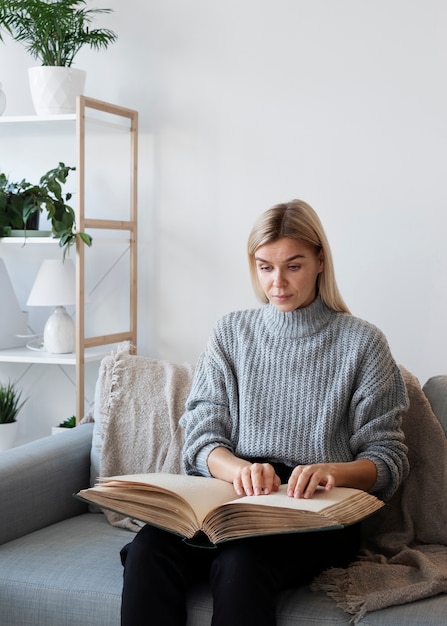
(256, 479)
(247, 478)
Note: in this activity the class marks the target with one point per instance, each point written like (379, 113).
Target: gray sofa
(59, 562)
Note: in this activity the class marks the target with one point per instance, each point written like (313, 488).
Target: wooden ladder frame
(83, 224)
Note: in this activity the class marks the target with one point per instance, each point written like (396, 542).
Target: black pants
(245, 574)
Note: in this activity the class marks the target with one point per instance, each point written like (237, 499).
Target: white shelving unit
(102, 116)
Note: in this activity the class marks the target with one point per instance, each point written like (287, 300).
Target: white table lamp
(55, 285)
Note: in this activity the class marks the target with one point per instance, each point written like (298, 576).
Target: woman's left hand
(304, 479)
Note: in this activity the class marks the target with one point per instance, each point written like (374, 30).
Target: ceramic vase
(54, 89)
(59, 332)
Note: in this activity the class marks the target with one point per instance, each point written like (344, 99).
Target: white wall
(246, 103)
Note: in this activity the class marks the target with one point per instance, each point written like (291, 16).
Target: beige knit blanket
(404, 555)
(139, 402)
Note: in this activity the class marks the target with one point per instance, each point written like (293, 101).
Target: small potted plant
(10, 405)
(21, 202)
(70, 422)
(53, 32)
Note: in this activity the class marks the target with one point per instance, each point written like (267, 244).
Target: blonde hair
(297, 220)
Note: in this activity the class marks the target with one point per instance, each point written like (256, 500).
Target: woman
(298, 391)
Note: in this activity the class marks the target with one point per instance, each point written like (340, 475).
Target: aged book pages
(191, 506)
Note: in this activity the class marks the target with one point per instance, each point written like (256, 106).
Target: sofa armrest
(38, 479)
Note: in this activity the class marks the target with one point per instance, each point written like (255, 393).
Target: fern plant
(53, 31)
(10, 403)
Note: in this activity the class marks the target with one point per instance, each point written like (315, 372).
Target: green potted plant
(21, 202)
(10, 405)
(70, 422)
(53, 32)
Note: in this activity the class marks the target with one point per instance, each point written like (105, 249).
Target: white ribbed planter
(55, 430)
(54, 89)
(7, 435)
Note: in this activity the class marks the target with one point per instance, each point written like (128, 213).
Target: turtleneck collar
(298, 323)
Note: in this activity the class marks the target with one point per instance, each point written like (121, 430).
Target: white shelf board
(29, 240)
(25, 355)
(109, 121)
(14, 119)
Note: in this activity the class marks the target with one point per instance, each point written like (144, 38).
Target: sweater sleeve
(206, 421)
(376, 414)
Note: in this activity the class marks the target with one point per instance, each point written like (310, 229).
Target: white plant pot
(55, 430)
(7, 435)
(54, 89)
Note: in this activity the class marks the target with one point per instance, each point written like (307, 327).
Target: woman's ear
(321, 260)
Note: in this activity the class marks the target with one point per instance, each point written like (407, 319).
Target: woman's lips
(281, 298)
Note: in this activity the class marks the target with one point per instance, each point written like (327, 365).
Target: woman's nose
(279, 279)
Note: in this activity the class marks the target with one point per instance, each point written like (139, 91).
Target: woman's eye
(265, 268)
(293, 268)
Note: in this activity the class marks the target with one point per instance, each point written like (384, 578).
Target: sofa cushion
(70, 573)
(63, 574)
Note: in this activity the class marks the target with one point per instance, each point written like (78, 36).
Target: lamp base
(59, 332)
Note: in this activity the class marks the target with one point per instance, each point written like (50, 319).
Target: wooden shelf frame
(83, 223)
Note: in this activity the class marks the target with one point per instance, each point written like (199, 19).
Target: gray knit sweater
(309, 386)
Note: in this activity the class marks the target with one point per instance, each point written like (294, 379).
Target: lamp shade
(55, 284)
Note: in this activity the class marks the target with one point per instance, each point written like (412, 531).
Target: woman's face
(287, 271)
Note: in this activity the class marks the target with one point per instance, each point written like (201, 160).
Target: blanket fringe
(338, 589)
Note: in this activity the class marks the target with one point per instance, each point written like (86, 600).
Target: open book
(208, 510)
